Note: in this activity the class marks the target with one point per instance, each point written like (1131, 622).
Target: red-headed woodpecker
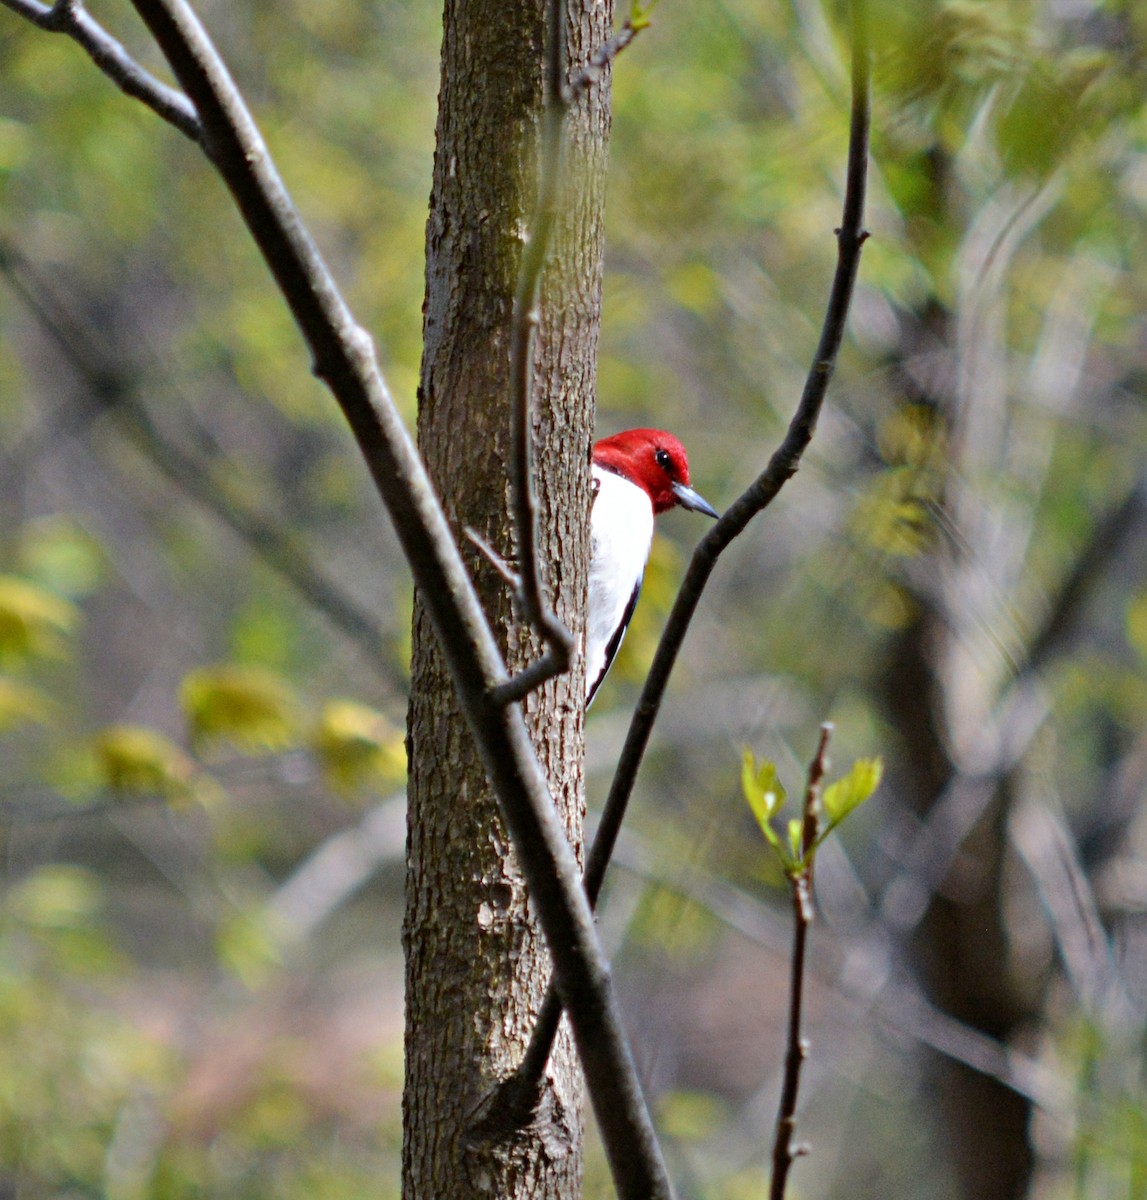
(636, 475)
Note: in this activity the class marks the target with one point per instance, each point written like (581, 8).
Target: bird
(637, 474)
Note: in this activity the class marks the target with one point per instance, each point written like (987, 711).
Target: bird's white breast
(621, 530)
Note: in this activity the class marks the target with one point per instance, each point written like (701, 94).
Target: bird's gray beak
(688, 498)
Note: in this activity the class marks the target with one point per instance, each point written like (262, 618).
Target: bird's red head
(656, 461)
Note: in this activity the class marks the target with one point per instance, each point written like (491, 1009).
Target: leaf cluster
(765, 795)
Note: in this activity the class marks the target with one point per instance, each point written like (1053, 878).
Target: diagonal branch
(604, 55)
(343, 356)
(70, 18)
(782, 466)
(515, 1100)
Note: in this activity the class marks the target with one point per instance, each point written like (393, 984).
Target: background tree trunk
(476, 965)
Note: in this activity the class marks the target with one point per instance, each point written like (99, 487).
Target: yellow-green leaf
(796, 828)
(845, 795)
(248, 947)
(250, 707)
(59, 897)
(762, 789)
(1137, 623)
(59, 553)
(765, 795)
(129, 758)
(33, 621)
(23, 704)
(357, 746)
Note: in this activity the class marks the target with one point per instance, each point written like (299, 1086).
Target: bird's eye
(663, 460)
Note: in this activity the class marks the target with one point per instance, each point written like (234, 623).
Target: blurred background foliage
(204, 618)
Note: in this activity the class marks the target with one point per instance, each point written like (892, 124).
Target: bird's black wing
(615, 641)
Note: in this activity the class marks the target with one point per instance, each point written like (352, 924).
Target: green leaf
(845, 795)
(60, 554)
(249, 707)
(59, 896)
(357, 746)
(796, 826)
(33, 621)
(22, 704)
(639, 15)
(137, 760)
(763, 791)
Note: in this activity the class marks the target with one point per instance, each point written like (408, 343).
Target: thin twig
(508, 574)
(70, 18)
(559, 100)
(601, 59)
(344, 358)
(523, 500)
(898, 1002)
(517, 1093)
(800, 883)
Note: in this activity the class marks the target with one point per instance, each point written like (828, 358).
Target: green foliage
(130, 759)
(839, 799)
(23, 704)
(357, 746)
(766, 795)
(641, 15)
(248, 707)
(34, 623)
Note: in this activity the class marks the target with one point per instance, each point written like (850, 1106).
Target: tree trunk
(476, 965)
(960, 947)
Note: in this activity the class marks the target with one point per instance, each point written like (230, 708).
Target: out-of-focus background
(201, 756)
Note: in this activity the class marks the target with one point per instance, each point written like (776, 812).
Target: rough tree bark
(476, 962)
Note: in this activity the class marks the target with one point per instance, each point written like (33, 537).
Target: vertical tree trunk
(961, 945)
(476, 963)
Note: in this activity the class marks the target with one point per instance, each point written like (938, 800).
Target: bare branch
(344, 358)
(559, 99)
(1052, 857)
(508, 574)
(523, 1085)
(332, 873)
(523, 502)
(1004, 739)
(781, 467)
(602, 58)
(70, 18)
(898, 1004)
(1107, 540)
(784, 1152)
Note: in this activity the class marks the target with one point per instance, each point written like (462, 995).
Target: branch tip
(494, 558)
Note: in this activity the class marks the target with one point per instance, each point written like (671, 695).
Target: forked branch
(70, 18)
